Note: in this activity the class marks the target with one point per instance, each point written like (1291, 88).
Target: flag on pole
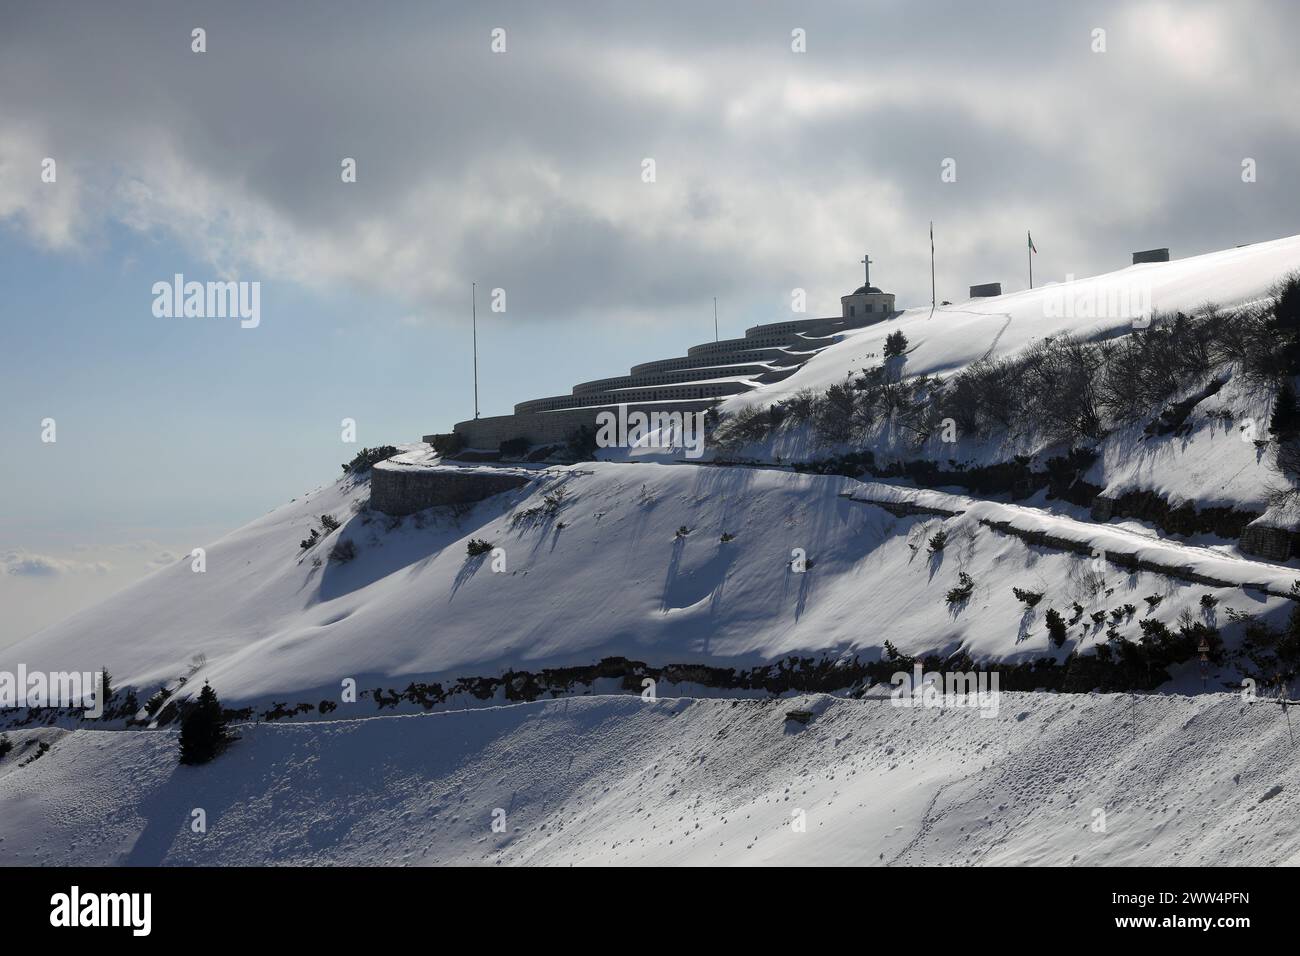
(1031, 243)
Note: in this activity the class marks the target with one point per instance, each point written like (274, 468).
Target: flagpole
(1029, 254)
(474, 318)
(932, 295)
(715, 318)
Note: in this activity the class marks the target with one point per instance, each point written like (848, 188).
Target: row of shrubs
(367, 458)
(1120, 664)
(1061, 388)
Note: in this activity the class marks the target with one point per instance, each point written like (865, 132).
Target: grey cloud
(775, 170)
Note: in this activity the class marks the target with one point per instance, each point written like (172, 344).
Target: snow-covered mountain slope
(606, 575)
(1212, 461)
(953, 336)
(631, 562)
(1051, 779)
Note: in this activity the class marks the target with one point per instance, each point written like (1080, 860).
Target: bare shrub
(1151, 365)
(981, 398)
(1057, 393)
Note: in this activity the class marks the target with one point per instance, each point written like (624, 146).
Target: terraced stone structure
(706, 375)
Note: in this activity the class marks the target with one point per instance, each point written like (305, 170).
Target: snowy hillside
(956, 335)
(1211, 460)
(717, 580)
(686, 564)
(614, 580)
(1052, 779)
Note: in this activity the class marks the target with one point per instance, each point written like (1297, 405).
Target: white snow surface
(1051, 779)
(954, 336)
(614, 580)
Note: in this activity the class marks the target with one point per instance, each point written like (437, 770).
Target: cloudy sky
(523, 170)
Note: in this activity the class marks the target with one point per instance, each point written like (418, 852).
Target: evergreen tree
(895, 344)
(1056, 628)
(203, 729)
(1286, 322)
(1285, 422)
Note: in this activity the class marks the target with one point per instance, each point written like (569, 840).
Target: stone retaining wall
(544, 428)
(1266, 542)
(398, 490)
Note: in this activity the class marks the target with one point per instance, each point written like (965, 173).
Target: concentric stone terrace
(706, 375)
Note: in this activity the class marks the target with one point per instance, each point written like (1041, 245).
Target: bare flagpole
(474, 318)
(932, 295)
(715, 318)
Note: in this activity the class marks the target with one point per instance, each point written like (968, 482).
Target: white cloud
(21, 564)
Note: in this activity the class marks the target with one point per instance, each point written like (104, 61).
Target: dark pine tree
(203, 729)
(1285, 422)
(895, 344)
(1056, 628)
(1286, 321)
